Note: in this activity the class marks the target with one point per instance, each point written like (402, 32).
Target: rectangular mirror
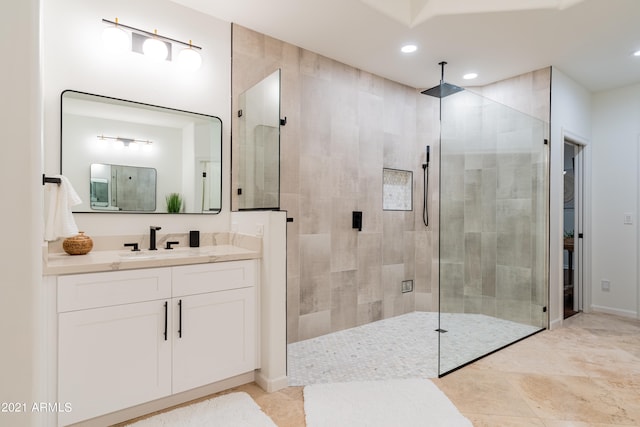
(124, 156)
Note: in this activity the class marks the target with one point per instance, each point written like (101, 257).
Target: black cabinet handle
(166, 317)
(179, 318)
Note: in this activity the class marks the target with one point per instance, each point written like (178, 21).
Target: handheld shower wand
(425, 181)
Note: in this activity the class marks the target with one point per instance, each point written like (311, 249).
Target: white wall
(570, 117)
(74, 59)
(272, 226)
(616, 132)
(20, 121)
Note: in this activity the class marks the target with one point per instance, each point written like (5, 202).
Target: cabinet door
(112, 358)
(214, 337)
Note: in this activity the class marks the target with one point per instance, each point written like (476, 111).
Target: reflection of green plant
(174, 203)
(568, 234)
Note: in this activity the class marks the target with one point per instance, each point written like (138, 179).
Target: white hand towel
(60, 222)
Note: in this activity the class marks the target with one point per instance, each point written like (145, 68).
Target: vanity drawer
(82, 291)
(219, 276)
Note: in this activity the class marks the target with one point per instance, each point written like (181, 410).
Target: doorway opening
(573, 269)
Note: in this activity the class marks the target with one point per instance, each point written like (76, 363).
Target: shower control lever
(356, 220)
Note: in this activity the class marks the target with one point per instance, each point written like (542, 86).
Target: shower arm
(442, 64)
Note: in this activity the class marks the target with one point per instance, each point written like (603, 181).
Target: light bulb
(189, 59)
(114, 39)
(409, 48)
(155, 49)
(102, 144)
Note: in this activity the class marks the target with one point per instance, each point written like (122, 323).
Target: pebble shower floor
(399, 347)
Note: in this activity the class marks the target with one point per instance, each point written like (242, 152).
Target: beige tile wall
(493, 239)
(344, 126)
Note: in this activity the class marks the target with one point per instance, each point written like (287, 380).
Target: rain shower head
(443, 89)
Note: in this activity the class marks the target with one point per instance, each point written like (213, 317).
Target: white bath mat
(229, 410)
(392, 403)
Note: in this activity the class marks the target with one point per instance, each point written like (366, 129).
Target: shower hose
(425, 182)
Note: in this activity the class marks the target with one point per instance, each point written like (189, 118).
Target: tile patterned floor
(585, 374)
(400, 347)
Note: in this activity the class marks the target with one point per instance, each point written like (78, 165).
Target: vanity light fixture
(130, 143)
(154, 45)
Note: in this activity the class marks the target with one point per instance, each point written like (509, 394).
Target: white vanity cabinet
(215, 317)
(129, 337)
(111, 330)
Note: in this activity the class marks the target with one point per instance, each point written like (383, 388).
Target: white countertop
(112, 260)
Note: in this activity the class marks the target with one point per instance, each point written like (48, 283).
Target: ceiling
(592, 41)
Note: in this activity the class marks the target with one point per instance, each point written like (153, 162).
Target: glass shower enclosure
(493, 228)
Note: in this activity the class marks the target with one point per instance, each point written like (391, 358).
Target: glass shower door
(493, 228)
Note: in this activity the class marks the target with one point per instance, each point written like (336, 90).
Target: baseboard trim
(615, 311)
(270, 385)
(167, 402)
(555, 324)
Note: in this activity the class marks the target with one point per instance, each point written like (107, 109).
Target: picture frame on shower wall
(397, 190)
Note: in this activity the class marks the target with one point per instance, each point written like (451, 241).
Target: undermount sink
(160, 253)
(203, 251)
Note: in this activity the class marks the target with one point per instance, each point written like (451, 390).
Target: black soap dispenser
(194, 238)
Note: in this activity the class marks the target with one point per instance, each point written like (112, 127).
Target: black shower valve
(356, 220)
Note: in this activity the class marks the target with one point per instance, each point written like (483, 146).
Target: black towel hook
(50, 180)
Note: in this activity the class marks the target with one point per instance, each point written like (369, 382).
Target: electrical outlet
(407, 286)
(628, 219)
(605, 285)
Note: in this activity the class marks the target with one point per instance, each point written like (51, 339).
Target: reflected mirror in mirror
(122, 188)
(123, 156)
(258, 149)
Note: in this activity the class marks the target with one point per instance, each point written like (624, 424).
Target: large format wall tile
(344, 126)
(315, 274)
(344, 297)
(369, 267)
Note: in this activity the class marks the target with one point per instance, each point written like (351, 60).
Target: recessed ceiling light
(409, 48)
(470, 76)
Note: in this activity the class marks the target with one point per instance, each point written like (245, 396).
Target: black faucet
(132, 245)
(152, 237)
(170, 244)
